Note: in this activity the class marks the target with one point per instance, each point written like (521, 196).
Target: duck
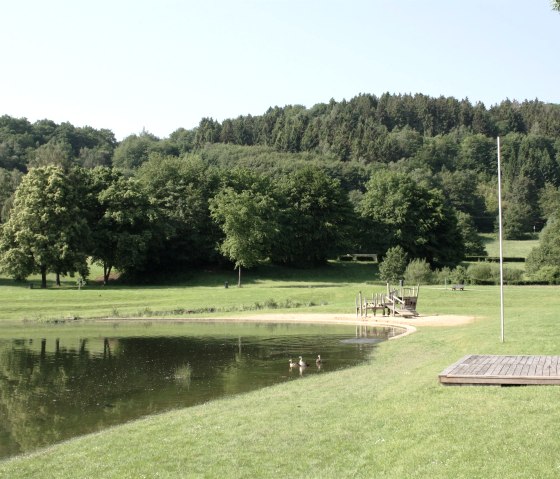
(302, 363)
(318, 361)
(293, 364)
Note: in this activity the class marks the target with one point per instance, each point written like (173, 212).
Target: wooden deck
(503, 370)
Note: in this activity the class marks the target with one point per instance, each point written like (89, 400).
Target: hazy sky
(159, 65)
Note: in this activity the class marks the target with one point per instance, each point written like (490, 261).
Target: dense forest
(294, 186)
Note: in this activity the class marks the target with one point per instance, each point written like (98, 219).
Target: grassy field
(329, 289)
(514, 248)
(386, 419)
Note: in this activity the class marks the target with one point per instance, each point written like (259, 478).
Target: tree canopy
(46, 231)
(365, 174)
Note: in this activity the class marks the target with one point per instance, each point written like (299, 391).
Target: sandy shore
(438, 320)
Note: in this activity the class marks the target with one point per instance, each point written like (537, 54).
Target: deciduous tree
(399, 212)
(247, 219)
(47, 229)
(315, 218)
(393, 266)
(181, 189)
(122, 223)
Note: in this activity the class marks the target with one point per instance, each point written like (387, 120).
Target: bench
(458, 287)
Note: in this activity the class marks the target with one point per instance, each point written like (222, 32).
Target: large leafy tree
(46, 230)
(397, 211)
(477, 152)
(521, 208)
(134, 150)
(247, 219)
(122, 222)
(315, 218)
(549, 201)
(55, 152)
(461, 189)
(181, 189)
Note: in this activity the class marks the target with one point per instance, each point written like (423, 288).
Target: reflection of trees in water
(49, 392)
(54, 389)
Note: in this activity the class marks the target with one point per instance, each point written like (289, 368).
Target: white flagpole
(500, 241)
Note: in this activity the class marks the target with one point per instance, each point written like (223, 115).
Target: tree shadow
(18, 284)
(334, 273)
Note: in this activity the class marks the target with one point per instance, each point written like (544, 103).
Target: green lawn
(513, 248)
(386, 419)
(331, 289)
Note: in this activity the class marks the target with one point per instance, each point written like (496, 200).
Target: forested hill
(366, 128)
(381, 129)
(395, 170)
(443, 136)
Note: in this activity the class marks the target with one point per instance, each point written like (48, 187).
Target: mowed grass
(512, 248)
(332, 289)
(386, 419)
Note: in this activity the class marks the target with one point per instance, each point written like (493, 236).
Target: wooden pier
(503, 370)
(396, 302)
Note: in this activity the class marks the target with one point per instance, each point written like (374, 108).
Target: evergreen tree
(393, 266)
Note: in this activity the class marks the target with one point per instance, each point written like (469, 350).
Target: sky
(160, 65)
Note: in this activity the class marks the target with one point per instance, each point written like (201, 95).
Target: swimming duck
(293, 364)
(318, 361)
(302, 363)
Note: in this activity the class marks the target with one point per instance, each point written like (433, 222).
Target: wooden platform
(503, 370)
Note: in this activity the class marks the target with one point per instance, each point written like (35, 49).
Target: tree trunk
(43, 277)
(57, 278)
(239, 278)
(106, 273)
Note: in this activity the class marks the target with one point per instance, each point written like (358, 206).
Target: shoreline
(408, 324)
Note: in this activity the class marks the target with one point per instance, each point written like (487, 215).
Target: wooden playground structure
(399, 301)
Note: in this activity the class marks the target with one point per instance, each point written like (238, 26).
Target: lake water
(64, 382)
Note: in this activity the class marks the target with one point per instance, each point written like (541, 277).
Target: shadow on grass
(18, 284)
(487, 239)
(331, 274)
(334, 273)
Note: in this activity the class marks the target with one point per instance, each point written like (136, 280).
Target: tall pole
(500, 241)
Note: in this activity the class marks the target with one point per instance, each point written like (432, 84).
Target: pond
(61, 382)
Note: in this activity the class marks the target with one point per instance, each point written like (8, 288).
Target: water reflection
(53, 389)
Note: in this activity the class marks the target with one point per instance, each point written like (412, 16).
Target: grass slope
(513, 248)
(386, 419)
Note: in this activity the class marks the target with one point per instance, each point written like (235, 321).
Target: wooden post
(361, 313)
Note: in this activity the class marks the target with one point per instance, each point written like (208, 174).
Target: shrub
(481, 273)
(547, 274)
(489, 273)
(418, 271)
(270, 304)
(440, 276)
(511, 275)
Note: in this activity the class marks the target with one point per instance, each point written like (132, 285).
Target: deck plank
(503, 370)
